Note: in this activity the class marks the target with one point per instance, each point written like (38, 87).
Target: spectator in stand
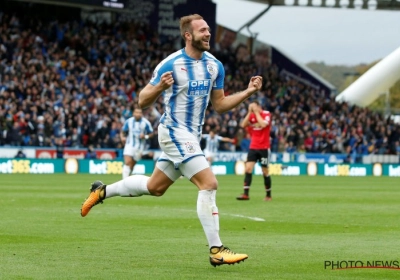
(309, 142)
(90, 153)
(242, 54)
(13, 136)
(394, 139)
(290, 147)
(263, 58)
(226, 41)
(245, 143)
(59, 147)
(20, 154)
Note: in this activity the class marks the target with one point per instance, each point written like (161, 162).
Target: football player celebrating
(188, 80)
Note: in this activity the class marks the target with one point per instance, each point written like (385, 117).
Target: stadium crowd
(68, 84)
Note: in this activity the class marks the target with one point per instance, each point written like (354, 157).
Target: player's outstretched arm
(227, 139)
(123, 135)
(222, 103)
(150, 93)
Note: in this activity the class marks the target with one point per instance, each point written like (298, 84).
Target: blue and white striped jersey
(187, 99)
(134, 129)
(212, 143)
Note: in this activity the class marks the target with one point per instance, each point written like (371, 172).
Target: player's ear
(188, 36)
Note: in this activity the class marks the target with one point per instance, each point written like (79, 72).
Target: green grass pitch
(310, 220)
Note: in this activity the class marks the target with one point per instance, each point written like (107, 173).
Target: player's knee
(129, 162)
(157, 191)
(248, 169)
(211, 184)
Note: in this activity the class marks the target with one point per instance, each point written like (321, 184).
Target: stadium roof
(393, 5)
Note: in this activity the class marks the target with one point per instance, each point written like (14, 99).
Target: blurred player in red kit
(258, 122)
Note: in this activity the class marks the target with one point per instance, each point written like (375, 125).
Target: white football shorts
(181, 152)
(136, 154)
(209, 154)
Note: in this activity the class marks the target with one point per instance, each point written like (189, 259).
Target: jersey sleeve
(125, 127)
(252, 117)
(267, 118)
(162, 67)
(219, 81)
(149, 128)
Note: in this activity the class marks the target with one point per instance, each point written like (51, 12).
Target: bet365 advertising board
(74, 166)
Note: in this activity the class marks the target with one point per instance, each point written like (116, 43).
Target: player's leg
(129, 160)
(129, 164)
(267, 184)
(138, 185)
(199, 173)
(209, 160)
(248, 175)
(163, 176)
(267, 179)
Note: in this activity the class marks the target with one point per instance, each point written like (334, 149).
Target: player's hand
(256, 109)
(255, 84)
(250, 109)
(166, 80)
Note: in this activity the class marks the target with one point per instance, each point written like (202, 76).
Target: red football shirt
(259, 135)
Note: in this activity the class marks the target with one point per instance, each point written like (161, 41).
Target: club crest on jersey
(210, 69)
(190, 147)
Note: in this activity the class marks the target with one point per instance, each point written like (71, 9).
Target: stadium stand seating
(73, 83)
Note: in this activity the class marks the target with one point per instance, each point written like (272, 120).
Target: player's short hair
(186, 23)
(256, 102)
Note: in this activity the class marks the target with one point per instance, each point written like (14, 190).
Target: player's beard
(198, 44)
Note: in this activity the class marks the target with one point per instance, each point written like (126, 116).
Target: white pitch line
(232, 215)
(246, 217)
